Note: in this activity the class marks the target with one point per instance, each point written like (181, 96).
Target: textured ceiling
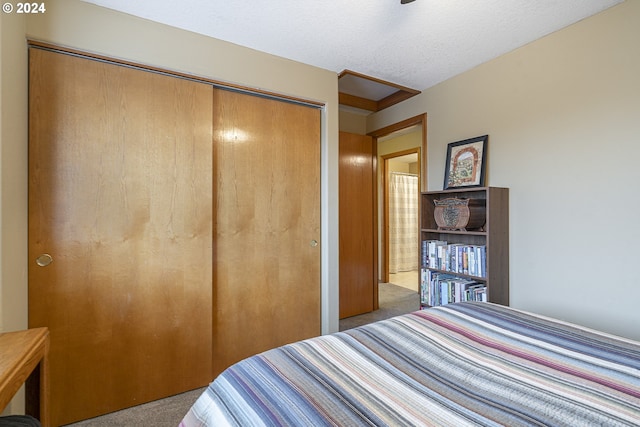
(416, 45)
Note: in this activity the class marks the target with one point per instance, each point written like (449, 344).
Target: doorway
(405, 143)
(401, 213)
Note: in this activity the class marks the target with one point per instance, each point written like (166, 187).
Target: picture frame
(466, 161)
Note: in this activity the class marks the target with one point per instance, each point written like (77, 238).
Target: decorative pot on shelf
(459, 214)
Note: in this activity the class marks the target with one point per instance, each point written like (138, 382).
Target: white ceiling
(416, 45)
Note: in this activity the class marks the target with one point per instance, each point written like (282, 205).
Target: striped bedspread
(457, 365)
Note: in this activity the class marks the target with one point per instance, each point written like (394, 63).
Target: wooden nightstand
(20, 354)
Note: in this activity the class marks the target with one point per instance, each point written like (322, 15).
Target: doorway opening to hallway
(401, 175)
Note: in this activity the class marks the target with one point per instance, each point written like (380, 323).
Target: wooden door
(358, 284)
(120, 232)
(267, 218)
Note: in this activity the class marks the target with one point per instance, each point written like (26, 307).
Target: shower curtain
(403, 222)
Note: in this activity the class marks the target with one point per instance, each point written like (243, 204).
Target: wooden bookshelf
(493, 235)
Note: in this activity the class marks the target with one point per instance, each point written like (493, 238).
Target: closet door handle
(313, 243)
(44, 260)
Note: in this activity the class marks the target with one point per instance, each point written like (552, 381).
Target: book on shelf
(438, 288)
(456, 257)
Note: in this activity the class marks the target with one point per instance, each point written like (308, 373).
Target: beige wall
(353, 122)
(87, 27)
(562, 115)
(402, 142)
(13, 180)
(395, 166)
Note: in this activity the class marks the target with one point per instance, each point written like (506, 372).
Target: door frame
(419, 120)
(384, 171)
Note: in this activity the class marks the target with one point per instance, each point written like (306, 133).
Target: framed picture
(466, 163)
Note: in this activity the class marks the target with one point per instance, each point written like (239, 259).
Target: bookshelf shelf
(480, 256)
(463, 275)
(443, 232)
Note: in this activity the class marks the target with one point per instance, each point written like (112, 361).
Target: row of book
(455, 257)
(441, 288)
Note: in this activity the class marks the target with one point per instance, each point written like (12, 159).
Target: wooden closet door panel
(120, 196)
(267, 212)
(357, 232)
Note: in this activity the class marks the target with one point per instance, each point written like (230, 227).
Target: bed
(457, 365)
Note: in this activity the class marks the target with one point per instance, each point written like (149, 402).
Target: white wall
(563, 118)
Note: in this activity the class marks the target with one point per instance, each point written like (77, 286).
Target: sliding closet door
(120, 232)
(266, 226)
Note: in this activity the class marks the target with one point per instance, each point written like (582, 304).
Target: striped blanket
(464, 364)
